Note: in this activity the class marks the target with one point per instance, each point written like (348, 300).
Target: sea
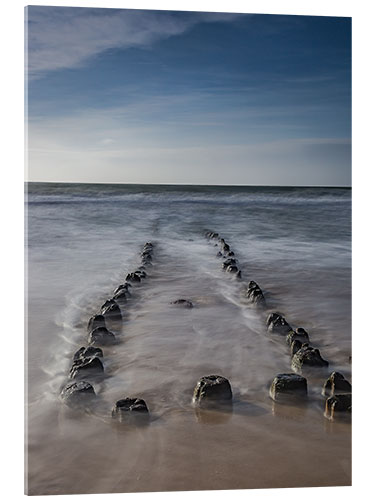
(81, 242)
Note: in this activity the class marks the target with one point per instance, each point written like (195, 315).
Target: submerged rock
(183, 302)
(96, 321)
(219, 254)
(255, 294)
(123, 288)
(121, 295)
(212, 389)
(78, 393)
(308, 357)
(338, 405)
(288, 386)
(88, 352)
(299, 334)
(101, 336)
(125, 410)
(232, 269)
(85, 367)
(336, 384)
(229, 262)
(133, 277)
(111, 309)
(295, 346)
(276, 323)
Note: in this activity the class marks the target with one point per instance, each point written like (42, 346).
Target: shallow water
(84, 239)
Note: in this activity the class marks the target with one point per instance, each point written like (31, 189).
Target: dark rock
(101, 336)
(226, 248)
(96, 321)
(78, 393)
(123, 288)
(255, 294)
(229, 262)
(278, 324)
(307, 357)
(230, 254)
(219, 254)
(212, 389)
(125, 410)
(286, 386)
(336, 384)
(183, 302)
(135, 278)
(232, 269)
(239, 274)
(141, 273)
(88, 352)
(111, 309)
(121, 295)
(338, 405)
(84, 367)
(295, 346)
(299, 334)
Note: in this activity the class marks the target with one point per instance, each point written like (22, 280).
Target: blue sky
(197, 98)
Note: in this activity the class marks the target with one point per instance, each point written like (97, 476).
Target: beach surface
(82, 241)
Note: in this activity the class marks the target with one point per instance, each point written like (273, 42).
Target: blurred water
(83, 239)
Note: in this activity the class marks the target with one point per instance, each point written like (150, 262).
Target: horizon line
(184, 184)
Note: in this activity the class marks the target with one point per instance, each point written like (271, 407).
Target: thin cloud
(64, 38)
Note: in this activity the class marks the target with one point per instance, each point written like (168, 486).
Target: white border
(12, 231)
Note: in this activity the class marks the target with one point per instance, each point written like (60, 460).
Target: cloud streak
(64, 38)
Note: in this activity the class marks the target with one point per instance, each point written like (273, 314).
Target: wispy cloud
(61, 38)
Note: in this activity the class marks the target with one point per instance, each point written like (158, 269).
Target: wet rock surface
(308, 358)
(86, 367)
(129, 409)
(183, 302)
(300, 334)
(111, 309)
(276, 323)
(212, 389)
(88, 352)
(288, 386)
(337, 406)
(255, 294)
(336, 384)
(78, 393)
(96, 321)
(101, 336)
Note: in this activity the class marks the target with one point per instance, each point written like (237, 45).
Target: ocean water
(83, 239)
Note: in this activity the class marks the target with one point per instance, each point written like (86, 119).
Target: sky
(136, 96)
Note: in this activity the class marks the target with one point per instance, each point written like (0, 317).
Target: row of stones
(288, 386)
(87, 361)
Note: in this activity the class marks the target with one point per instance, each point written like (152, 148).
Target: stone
(226, 248)
(133, 278)
(88, 352)
(96, 321)
(295, 346)
(307, 358)
(288, 386)
(299, 334)
(212, 389)
(125, 410)
(111, 309)
(121, 295)
(336, 384)
(276, 323)
(232, 269)
(183, 302)
(229, 262)
(85, 367)
(239, 274)
(123, 288)
(219, 254)
(338, 405)
(141, 273)
(230, 254)
(255, 294)
(78, 393)
(101, 336)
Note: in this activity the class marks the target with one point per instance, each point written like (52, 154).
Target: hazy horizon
(194, 98)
